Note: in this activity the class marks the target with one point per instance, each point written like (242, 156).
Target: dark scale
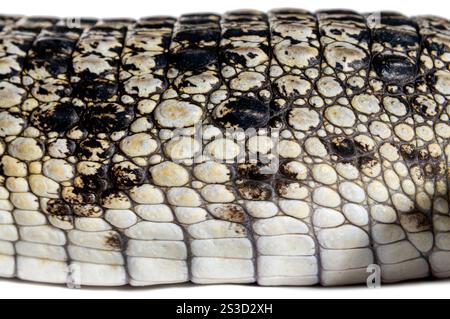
(107, 117)
(425, 106)
(92, 183)
(191, 59)
(127, 174)
(343, 147)
(253, 190)
(78, 196)
(242, 112)
(58, 207)
(95, 149)
(393, 68)
(256, 171)
(55, 117)
(96, 180)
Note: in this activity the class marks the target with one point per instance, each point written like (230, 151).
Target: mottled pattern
(344, 162)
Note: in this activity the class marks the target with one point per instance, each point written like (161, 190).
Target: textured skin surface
(343, 164)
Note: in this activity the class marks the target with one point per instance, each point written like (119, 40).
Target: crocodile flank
(279, 148)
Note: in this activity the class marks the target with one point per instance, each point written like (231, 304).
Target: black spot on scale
(62, 29)
(251, 55)
(114, 241)
(160, 61)
(243, 112)
(336, 31)
(25, 28)
(288, 11)
(430, 79)
(275, 122)
(88, 21)
(107, 29)
(394, 68)
(42, 91)
(119, 21)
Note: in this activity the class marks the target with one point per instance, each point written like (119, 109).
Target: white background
(138, 8)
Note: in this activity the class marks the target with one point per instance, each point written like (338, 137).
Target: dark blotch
(193, 59)
(114, 241)
(394, 68)
(95, 89)
(108, 118)
(55, 117)
(58, 207)
(73, 195)
(92, 147)
(233, 32)
(126, 174)
(396, 38)
(195, 36)
(252, 190)
(91, 182)
(242, 112)
(408, 152)
(258, 171)
(342, 146)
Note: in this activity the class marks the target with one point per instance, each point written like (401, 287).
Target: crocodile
(279, 148)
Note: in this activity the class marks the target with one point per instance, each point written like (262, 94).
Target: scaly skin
(286, 148)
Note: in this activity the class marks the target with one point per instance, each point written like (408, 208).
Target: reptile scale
(287, 148)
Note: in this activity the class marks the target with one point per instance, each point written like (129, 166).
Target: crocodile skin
(279, 148)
